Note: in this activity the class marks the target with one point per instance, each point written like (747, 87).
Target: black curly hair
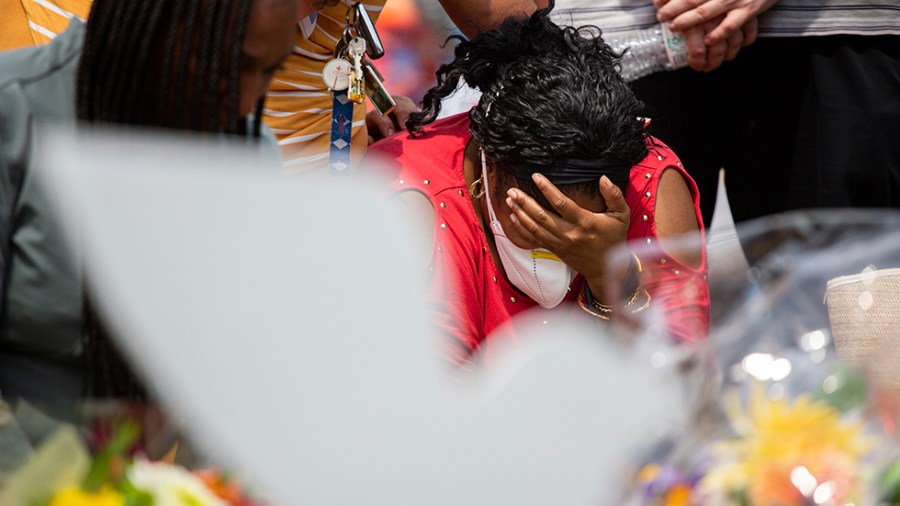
(548, 93)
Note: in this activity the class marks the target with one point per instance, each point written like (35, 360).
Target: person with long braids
(198, 65)
(527, 192)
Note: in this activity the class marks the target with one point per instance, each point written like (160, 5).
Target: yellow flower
(649, 473)
(74, 496)
(775, 438)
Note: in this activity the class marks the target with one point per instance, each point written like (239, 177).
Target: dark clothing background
(797, 123)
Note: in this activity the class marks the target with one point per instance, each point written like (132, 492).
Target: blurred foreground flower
(169, 485)
(75, 496)
(778, 452)
(667, 486)
(786, 453)
(224, 487)
(63, 473)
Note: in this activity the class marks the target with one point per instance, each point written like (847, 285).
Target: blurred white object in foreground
(723, 246)
(282, 319)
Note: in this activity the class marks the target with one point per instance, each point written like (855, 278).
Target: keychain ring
(347, 17)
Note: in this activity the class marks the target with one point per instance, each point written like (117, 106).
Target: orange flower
(773, 486)
(223, 487)
(679, 495)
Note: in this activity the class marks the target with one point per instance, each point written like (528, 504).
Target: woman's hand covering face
(578, 236)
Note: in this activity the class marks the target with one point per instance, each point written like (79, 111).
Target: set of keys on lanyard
(352, 69)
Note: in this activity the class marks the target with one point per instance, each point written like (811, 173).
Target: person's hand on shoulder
(380, 126)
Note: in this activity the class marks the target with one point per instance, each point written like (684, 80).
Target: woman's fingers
(566, 207)
(529, 216)
(525, 230)
(616, 206)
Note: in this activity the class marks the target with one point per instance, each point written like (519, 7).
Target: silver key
(356, 49)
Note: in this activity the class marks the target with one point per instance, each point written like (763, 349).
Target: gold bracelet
(633, 297)
(644, 306)
(635, 269)
(590, 311)
(605, 312)
(637, 262)
(603, 308)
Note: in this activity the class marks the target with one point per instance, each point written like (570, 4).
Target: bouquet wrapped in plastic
(797, 405)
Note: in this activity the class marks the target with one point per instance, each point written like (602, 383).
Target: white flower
(170, 485)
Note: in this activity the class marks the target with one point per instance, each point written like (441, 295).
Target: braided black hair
(159, 63)
(548, 92)
(164, 63)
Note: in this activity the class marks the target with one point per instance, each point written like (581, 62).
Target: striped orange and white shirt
(298, 106)
(33, 22)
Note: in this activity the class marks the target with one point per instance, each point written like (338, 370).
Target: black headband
(566, 171)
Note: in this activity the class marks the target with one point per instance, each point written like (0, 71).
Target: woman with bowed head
(526, 193)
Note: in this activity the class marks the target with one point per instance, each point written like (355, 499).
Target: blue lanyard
(341, 128)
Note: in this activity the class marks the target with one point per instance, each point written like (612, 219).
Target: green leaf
(124, 436)
(890, 484)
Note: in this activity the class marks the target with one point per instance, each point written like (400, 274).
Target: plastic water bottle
(650, 50)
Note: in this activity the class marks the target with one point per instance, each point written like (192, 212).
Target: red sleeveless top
(469, 296)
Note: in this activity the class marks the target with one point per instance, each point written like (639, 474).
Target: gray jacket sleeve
(34, 82)
(15, 129)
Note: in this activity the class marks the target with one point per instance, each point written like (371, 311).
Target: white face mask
(540, 274)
